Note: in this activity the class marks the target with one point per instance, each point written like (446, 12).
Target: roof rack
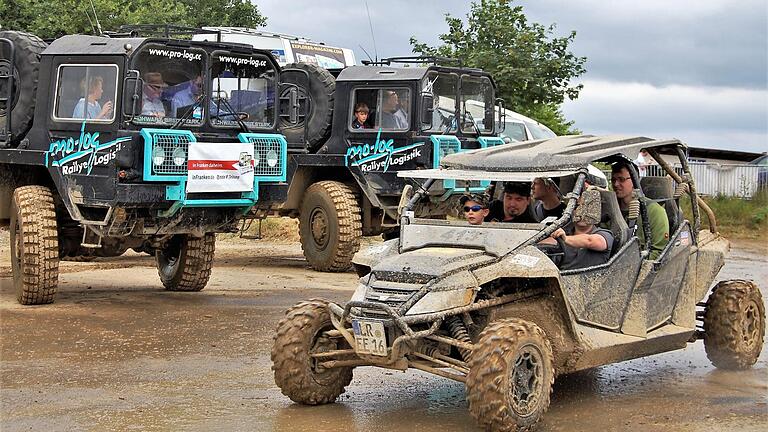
(162, 30)
(435, 60)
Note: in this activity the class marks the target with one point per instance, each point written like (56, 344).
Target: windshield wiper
(188, 113)
(231, 112)
(471, 119)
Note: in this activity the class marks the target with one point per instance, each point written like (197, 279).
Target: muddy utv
(150, 143)
(487, 306)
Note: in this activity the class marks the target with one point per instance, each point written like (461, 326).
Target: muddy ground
(116, 352)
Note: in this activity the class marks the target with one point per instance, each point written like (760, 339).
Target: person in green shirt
(623, 186)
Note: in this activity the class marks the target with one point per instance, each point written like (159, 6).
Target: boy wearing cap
(475, 208)
(547, 193)
(587, 245)
(514, 206)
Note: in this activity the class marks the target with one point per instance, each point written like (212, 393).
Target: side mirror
(427, 109)
(132, 87)
(502, 116)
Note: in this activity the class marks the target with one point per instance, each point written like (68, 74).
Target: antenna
(366, 52)
(96, 17)
(370, 24)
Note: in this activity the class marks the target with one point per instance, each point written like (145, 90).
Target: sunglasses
(474, 208)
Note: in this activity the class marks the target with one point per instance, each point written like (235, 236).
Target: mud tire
(329, 226)
(25, 73)
(295, 374)
(320, 95)
(34, 245)
(500, 346)
(185, 263)
(734, 324)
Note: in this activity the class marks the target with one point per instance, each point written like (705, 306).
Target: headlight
(272, 158)
(256, 158)
(179, 156)
(158, 155)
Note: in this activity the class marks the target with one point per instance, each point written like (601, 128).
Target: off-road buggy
(484, 305)
(87, 168)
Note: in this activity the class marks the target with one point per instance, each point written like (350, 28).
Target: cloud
(723, 117)
(692, 42)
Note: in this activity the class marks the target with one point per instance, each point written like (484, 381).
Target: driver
(514, 205)
(586, 245)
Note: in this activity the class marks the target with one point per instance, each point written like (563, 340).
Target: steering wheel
(555, 252)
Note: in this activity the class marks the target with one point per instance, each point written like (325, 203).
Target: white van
(285, 48)
(517, 127)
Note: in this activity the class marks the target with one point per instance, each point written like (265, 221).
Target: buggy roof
(542, 158)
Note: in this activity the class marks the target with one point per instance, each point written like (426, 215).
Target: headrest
(589, 208)
(657, 188)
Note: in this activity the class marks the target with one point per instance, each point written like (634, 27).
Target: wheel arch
(13, 176)
(548, 308)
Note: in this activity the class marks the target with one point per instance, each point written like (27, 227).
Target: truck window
(173, 81)
(444, 88)
(388, 109)
(477, 104)
(243, 88)
(86, 92)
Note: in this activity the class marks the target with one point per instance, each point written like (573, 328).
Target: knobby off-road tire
(510, 376)
(319, 115)
(185, 263)
(734, 324)
(296, 373)
(25, 73)
(329, 226)
(34, 245)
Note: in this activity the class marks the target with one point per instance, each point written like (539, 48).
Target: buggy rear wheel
(185, 262)
(734, 324)
(297, 373)
(510, 376)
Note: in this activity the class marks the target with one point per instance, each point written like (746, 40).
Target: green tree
(50, 19)
(532, 67)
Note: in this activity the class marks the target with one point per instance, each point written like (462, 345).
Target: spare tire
(319, 107)
(24, 72)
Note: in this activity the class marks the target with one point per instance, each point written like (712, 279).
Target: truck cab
(150, 143)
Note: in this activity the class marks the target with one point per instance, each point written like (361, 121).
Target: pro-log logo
(78, 155)
(380, 155)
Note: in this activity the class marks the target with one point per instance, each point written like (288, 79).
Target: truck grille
(267, 155)
(170, 142)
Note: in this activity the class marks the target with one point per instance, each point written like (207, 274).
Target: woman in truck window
(92, 109)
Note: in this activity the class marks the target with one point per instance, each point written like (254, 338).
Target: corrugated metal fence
(719, 179)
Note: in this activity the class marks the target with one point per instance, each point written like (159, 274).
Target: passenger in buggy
(585, 244)
(475, 208)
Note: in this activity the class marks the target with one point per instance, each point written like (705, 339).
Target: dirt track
(116, 352)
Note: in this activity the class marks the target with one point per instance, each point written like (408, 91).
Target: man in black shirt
(586, 245)
(514, 206)
(547, 193)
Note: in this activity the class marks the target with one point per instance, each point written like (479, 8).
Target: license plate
(370, 337)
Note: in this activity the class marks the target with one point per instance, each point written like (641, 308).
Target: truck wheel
(184, 264)
(329, 226)
(296, 373)
(25, 75)
(320, 94)
(734, 324)
(34, 245)
(510, 375)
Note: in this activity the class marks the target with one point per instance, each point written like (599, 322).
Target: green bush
(736, 216)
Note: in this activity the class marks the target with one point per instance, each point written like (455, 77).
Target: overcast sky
(690, 69)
